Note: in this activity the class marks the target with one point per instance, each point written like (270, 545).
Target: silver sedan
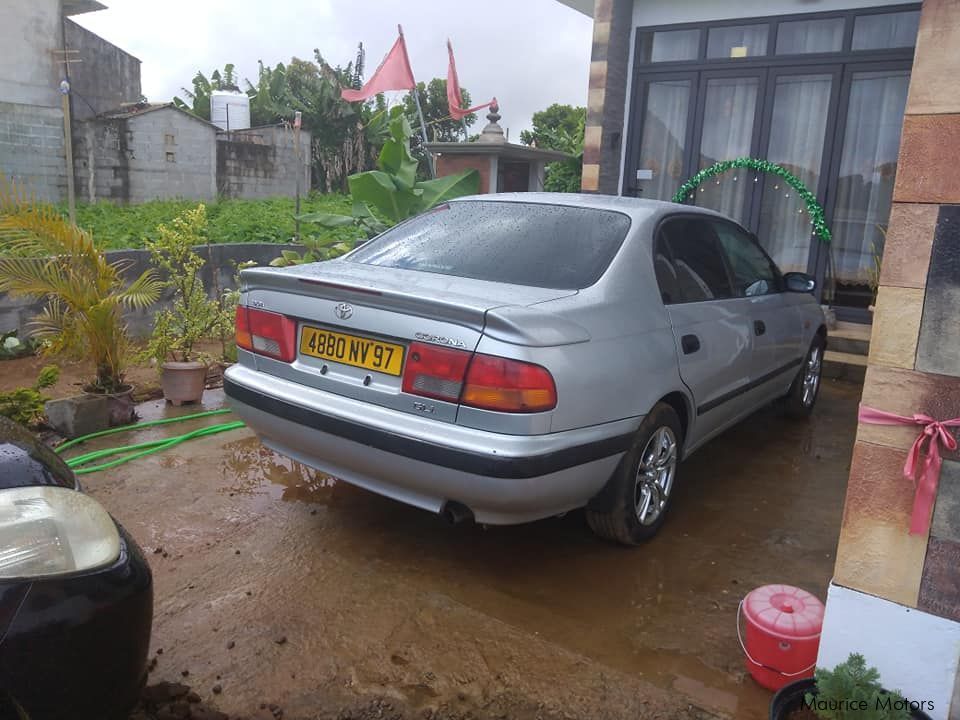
(506, 358)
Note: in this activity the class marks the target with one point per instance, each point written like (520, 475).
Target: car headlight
(52, 531)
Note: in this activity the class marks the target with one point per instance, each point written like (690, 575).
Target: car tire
(634, 503)
(802, 397)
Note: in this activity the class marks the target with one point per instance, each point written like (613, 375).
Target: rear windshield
(548, 246)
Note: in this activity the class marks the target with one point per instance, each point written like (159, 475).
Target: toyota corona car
(512, 357)
(76, 594)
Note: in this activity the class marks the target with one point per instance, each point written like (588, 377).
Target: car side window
(753, 272)
(688, 262)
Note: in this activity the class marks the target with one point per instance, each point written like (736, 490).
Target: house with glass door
(816, 86)
(861, 100)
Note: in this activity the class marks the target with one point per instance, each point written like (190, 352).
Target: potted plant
(48, 257)
(192, 317)
(851, 691)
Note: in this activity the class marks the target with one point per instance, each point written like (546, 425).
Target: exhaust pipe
(456, 513)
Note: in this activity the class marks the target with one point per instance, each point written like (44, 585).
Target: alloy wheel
(658, 466)
(811, 376)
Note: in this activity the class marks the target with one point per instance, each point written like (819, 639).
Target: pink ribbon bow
(925, 479)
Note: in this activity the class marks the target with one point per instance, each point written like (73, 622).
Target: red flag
(394, 73)
(454, 98)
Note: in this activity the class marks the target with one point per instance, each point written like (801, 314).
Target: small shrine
(503, 166)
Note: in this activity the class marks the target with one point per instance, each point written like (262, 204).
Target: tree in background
(346, 137)
(436, 113)
(559, 127)
(202, 87)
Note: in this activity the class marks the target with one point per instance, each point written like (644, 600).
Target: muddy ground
(277, 585)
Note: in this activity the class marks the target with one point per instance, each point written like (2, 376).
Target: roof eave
(582, 6)
(507, 150)
(78, 7)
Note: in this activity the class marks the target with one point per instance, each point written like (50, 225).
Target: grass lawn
(228, 221)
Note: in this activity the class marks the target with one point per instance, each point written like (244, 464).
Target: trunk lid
(355, 324)
(431, 295)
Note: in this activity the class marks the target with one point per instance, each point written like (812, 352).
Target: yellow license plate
(351, 350)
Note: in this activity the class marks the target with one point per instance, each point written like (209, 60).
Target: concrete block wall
(101, 160)
(29, 33)
(172, 155)
(31, 149)
(262, 162)
(106, 78)
(16, 313)
(163, 153)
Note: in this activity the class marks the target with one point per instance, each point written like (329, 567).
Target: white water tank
(230, 109)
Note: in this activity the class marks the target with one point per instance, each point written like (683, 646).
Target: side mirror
(799, 282)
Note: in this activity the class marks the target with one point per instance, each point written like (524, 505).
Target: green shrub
(194, 316)
(25, 405)
(228, 221)
(12, 347)
(852, 691)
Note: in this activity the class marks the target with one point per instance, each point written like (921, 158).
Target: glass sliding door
(873, 119)
(797, 131)
(727, 118)
(821, 94)
(663, 145)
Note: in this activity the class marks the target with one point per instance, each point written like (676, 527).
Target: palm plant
(46, 256)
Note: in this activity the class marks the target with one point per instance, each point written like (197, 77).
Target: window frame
(702, 217)
(644, 35)
(842, 63)
(644, 73)
(751, 238)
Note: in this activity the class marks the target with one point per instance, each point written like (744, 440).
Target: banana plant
(386, 196)
(393, 190)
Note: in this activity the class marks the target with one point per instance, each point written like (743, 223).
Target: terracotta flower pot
(183, 382)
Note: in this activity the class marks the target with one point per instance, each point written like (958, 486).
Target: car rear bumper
(502, 479)
(75, 647)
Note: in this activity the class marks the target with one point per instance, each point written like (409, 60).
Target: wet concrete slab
(373, 599)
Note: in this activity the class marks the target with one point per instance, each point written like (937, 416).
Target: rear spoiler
(531, 327)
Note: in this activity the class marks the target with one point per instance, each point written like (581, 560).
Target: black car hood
(25, 460)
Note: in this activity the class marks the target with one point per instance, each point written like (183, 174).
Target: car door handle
(758, 327)
(689, 344)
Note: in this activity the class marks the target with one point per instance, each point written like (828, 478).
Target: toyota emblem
(344, 311)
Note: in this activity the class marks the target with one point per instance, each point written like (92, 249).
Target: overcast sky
(528, 53)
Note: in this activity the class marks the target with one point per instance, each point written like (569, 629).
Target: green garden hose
(132, 452)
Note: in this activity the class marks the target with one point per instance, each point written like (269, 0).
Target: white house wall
(915, 652)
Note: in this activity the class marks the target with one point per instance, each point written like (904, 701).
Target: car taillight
(266, 333)
(435, 372)
(480, 381)
(495, 383)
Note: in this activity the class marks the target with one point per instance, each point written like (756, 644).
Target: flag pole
(423, 125)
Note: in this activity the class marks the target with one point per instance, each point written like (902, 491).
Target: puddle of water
(761, 504)
(249, 468)
(160, 409)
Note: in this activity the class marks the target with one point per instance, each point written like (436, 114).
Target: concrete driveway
(281, 585)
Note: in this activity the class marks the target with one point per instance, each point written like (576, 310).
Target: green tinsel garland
(817, 218)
